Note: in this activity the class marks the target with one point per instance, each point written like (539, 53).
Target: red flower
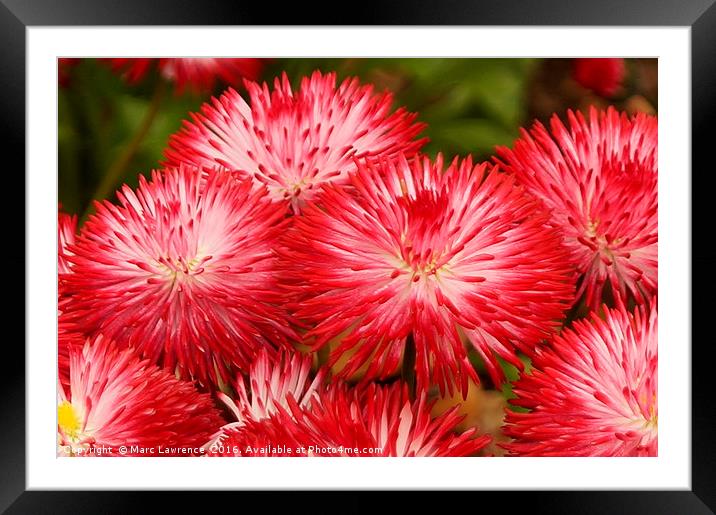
(185, 275)
(600, 179)
(294, 142)
(67, 335)
(594, 392)
(439, 255)
(362, 422)
(273, 381)
(602, 75)
(114, 400)
(195, 74)
(68, 338)
(66, 233)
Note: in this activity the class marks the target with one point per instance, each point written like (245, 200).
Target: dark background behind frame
(15, 15)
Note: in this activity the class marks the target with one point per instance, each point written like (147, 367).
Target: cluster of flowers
(310, 220)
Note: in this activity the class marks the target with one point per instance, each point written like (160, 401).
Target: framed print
(439, 246)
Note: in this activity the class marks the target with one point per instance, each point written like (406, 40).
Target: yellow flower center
(68, 420)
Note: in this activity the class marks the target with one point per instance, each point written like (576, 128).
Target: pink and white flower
(439, 254)
(295, 141)
(273, 384)
(117, 404)
(183, 270)
(599, 178)
(354, 422)
(593, 392)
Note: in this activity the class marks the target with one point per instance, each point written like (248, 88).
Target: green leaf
(512, 374)
(476, 136)
(498, 89)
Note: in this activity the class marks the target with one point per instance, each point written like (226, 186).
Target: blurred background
(470, 105)
(115, 118)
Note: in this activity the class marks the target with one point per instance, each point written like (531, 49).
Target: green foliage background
(470, 105)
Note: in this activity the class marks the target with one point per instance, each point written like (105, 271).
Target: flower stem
(117, 168)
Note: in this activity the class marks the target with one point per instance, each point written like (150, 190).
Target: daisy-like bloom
(183, 273)
(272, 381)
(413, 250)
(600, 179)
(198, 75)
(354, 422)
(594, 392)
(115, 399)
(604, 76)
(295, 141)
(66, 233)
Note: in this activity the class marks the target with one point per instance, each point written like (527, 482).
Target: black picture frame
(700, 15)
